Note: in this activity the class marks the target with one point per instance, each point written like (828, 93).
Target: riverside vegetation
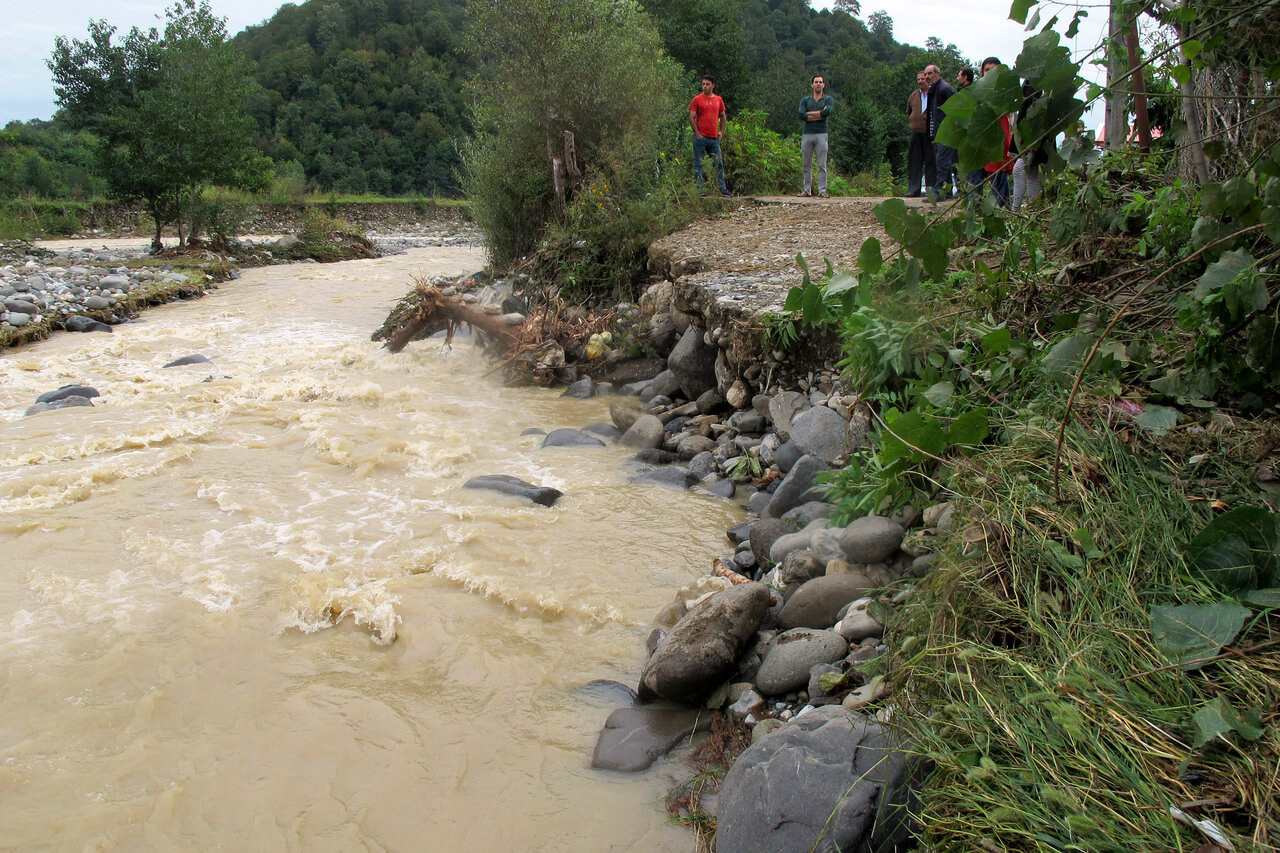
(1091, 661)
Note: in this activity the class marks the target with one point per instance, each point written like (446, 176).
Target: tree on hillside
(591, 68)
(706, 37)
(168, 109)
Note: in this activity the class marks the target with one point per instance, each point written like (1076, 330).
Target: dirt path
(765, 235)
(736, 269)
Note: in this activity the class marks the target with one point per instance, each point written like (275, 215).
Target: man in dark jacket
(814, 111)
(920, 159)
(944, 155)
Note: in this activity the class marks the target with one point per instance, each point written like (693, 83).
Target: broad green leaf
(1085, 540)
(1064, 358)
(1158, 419)
(812, 306)
(1268, 599)
(1238, 549)
(840, 282)
(1240, 194)
(869, 257)
(940, 394)
(1189, 633)
(1270, 219)
(891, 213)
(1018, 11)
(795, 299)
(970, 429)
(1223, 272)
(911, 277)
(1218, 718)
(911, 432)
(1180, 73)
(1064, 558)
(997, 341)
(1191, 48)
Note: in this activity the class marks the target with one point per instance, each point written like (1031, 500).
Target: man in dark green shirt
(814, 110)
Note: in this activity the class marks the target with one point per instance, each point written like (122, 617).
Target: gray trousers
(811, 144)
(1026, 181)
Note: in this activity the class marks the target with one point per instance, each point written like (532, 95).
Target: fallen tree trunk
(539, 350)
(427, 310)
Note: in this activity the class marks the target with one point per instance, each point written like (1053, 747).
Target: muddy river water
(245, 604)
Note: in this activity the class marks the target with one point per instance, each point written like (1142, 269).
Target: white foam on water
(46, 488)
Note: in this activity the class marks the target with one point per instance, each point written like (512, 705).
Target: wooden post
(557, 180)
(571, 166)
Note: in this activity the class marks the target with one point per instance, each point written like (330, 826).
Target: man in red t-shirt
(706, 117)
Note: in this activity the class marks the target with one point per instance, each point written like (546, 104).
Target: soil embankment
(734, 271)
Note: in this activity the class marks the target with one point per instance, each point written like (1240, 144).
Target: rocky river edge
(781, 639)
(779, 647)
(93, 288)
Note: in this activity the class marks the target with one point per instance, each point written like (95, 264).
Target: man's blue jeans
(708, 145)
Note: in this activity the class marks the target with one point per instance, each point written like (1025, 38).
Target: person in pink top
(706, 117)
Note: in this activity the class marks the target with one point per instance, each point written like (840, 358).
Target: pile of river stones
(73, 288)
(783, 636)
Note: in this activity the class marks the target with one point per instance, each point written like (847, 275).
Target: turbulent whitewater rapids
(246, 602)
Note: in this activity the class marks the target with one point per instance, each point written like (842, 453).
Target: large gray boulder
(764, 533)
(795, 487)
(646, 432)
(821, 432)
(783, 408)
(702, 649)
(624, 413)
(693, 361)
(871, 539)
(635, 370)
(786, 664)
(826, 781)
(817, 603)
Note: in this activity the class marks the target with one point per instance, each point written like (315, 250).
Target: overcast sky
(979, 28)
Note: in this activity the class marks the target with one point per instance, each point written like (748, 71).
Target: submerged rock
(64, 403)
(633, 738)
(509, 485)
(565, 437)
(195, 358)
(68, 391)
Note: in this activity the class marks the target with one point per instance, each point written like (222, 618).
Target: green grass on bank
(1028, 665)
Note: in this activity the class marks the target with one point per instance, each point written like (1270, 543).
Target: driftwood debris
(534, 351)
(428, 310)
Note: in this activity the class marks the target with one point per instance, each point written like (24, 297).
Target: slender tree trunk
(1117, 119)
(1191, 116)
(1138, 82)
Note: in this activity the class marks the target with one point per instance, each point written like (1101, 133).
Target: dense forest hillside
(370, 96)
(362, 95)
